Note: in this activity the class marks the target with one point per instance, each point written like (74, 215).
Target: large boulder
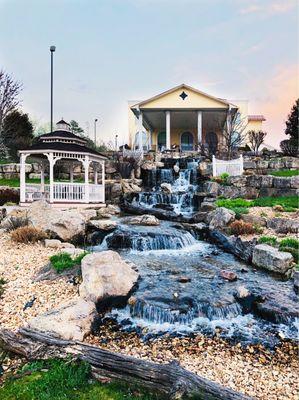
(220, 218)
(106, 276)
(149, 220)
(71, 321)
(107, 212)
(268, 257)
(66, 225)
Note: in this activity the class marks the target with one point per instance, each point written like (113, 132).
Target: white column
(51, 176)
(140, 130)
(103, 181)
(150, 140)
(42, 177)
(86, 178)
(214, 165)
(71, 172)
(167, 130)
(95, 173)
(23, 178)
(199, 127)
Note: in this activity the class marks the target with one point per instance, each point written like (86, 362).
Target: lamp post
(52, 49)
(95, 131)
(116, 145)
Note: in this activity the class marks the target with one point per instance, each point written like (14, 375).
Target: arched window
(187, 141)
(161, 140)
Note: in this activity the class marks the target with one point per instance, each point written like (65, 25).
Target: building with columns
(65, 149)
(183, 118)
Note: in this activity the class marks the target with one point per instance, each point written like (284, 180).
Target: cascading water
(181, 289)
(183, 187)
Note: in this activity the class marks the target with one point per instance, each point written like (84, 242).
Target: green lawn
(58, 380)
(285, 172)
(289, 203)
(15, 182)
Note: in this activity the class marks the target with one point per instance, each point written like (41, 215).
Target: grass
(63, 261)
(271, 240)
(285, 172)
(58, 380)
(289, 203)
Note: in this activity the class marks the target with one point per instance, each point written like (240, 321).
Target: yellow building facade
(183, 118)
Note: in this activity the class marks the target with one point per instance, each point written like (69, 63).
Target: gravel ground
(254, 371)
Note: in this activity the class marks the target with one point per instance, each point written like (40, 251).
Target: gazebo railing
(65, 192)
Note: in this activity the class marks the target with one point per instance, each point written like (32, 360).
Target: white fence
(231, 167)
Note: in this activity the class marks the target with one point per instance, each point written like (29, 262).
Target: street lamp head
(95, 120)
(52, 48)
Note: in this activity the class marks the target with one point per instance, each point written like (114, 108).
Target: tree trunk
(170, 380)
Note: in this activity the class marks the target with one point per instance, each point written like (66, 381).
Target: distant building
(185, 118)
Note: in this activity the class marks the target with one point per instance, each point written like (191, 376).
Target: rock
(271, 259)
(242, 292)
(295, 182)
(207, 206)
(281, 182)
(73, 251)
(128, 187)
(65, 225)
(88, 213)
(283, 225)
(211, 187)
(107, 212)
(184, 279)
(106, 225)
(296, 279)
(149, 220)
(148, 165)
(254, 219)
(53, 243)
(71, 321)
(228, 275)
(166, 187)
(176, 169)
(105, 276)
(220, 218)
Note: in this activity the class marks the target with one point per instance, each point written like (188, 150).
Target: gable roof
(183, 86)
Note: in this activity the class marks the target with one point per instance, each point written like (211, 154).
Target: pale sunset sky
(112, 51)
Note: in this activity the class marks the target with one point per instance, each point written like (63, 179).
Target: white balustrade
(231, 167)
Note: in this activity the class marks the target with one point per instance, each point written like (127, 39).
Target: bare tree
(234, 132)
(9, 91)
(256, 139)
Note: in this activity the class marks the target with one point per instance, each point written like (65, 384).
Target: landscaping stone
(295, 182)
(220, 218)
(267, 257)
(296, 279)
(53, 243)
(149, 220)
(228, 275)
(166, 187)
(107, 212)
(211, 187)
(66, 225)
(281, 182)
(283, 225)
(105, 276)
(106, 225)
(71, 321)
(254, 219)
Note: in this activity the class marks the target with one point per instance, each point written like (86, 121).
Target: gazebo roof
(62, 141)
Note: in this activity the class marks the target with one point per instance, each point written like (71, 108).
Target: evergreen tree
(17, 133)
(292, 122)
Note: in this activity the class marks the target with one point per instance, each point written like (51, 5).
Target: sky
(112, 51)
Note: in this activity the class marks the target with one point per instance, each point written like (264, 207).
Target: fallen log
(170, 379)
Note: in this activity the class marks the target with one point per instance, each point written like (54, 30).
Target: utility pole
(95, 131)
(52, 50)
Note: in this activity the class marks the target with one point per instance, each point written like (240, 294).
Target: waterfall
(160, 315)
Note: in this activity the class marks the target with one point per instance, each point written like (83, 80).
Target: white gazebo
(62, 147)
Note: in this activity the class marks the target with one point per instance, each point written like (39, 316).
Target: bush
(289, 147)
(240, 211)
(291, 250)
(290, 242)
(8, 195)
(285, 172)
(272, 240)
(28, 234)
(63, 261)
(241, 228)
(233, 203)
(289, 203)
(2, 283)
(14, 222)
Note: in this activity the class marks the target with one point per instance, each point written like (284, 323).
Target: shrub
(28, 234)
(233, 203)
(241, 228)
(290, 242)
(291, 250)
(240, 211)
(9, 195)
(272, 240)
(63, 261)
(16, 221)
(287, 202)
(285, 172)
(2, 283)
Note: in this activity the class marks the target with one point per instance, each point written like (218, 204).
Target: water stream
(181, 290)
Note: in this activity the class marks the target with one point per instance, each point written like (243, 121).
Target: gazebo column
(103, 180)
(71, 172)
(168, 130)
(23, 177)
(140, 131)
(199, 128)
(86, 163)
(51, 175)
(42, 177)
(95, 173)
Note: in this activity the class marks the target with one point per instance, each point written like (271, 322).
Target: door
(161, 140)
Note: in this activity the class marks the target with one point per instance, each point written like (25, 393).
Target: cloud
(269, 8)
